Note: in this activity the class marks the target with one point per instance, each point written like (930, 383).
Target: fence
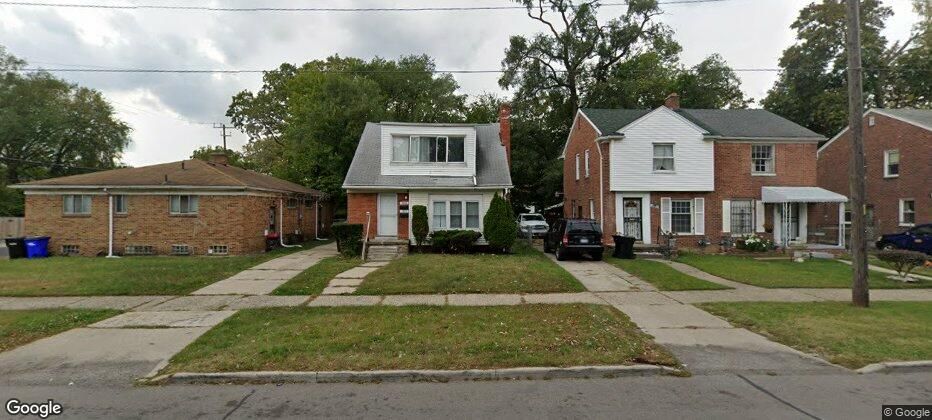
(11, 227)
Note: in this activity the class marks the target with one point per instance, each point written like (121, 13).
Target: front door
(632, 217)
(388, 215)
(794, 222)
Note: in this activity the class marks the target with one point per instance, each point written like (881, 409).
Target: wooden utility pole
(860, 294)
(223, 133)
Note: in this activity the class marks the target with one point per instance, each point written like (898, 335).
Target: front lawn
(313, 280)
(663, 276)
(839, 332)
(527, 270)
(21, 327)
(160, 275)
(873, 260)
(785, 273)
(419, 337)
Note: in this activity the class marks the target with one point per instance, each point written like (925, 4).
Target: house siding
(580, 192)
(467, 168)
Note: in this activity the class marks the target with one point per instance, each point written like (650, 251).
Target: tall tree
(234, 158)
(911, 78)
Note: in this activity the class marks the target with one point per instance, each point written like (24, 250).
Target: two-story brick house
(191, 207)
(453, 169)
(898, 153)
(699, 173)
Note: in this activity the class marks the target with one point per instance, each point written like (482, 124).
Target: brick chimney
(672, 101)
(504, 121)
(219, 158)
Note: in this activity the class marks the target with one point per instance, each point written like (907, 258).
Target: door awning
(800, 195)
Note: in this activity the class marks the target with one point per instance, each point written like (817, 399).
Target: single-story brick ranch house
(191, 207)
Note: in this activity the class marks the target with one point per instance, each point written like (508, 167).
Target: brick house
(190, 207)
(704, 174)
(452, 169)
(898, 153)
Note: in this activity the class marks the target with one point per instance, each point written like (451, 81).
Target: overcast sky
(168, 112)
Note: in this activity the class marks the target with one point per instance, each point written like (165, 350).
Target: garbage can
(16, 247)
(624, 247)
(271, 241)
(37, 246)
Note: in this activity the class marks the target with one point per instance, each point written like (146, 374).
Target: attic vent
(139, 250)
(181, 250)
(218, 250)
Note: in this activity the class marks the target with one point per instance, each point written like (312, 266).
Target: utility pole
(860, 294)
(223, 133)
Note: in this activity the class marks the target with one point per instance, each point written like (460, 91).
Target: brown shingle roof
(186, 173)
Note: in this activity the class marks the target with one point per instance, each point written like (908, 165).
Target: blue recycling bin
(37, 247)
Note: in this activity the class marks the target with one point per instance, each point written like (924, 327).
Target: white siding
(632, 161)
(467, 168)
(423, 198)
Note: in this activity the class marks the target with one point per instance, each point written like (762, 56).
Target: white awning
(800, 195)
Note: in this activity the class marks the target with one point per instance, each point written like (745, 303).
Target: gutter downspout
(281, 223)
(598, 146)
(110, 227)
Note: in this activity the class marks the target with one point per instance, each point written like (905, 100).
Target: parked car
(573, 237)
(918, 238)
(533, 223)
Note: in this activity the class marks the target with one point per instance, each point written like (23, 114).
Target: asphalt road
(841, 396)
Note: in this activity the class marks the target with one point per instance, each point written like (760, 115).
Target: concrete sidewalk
(268, 276)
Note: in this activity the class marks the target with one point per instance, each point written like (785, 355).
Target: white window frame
(886, 163)
(577, 166)
(902, 212)
(415, 150)
(692, 215)
(592, 209)
(772, 159)
(184, 212)
(587, 163)
(654, 158)
(464, 213)
(119, 199)
(846, 214)
(86, 205)
(731, 217)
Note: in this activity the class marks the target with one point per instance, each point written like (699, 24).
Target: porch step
(649, 255)
(381, 251)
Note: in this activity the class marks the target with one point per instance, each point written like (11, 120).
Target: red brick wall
(236, 221)
(915, 145)
(581, 191)
(357, 204)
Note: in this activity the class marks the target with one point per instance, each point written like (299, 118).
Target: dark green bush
(903, 261)
(454, 241)
(349, 238)
(499, 225)
(419, 226)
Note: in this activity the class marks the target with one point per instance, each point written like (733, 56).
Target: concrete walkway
(887, 270)
(702, 275)
(348, 281)
(599, 276)
(268, 276)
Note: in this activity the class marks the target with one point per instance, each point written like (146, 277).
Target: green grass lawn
(872, 260)
(663, 276)
(21, 327)
(839, 332)
(419, 337)
(160, 275)
(527, 270)
(313, 280)
(785, 273)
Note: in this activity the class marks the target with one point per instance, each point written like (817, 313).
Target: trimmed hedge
(349, 238)
(499, 225)
(903, 261)
(419, 226)
(454, 241)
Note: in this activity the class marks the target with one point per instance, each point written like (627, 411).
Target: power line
(480, 71)
(309, 9)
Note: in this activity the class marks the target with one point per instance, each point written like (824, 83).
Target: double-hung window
(428, 149)
(587, 164)
(762, 159)
(76, 204)
(681, 216)
(455, 214)
(891, 163)
(907, 212)
(663, 157)
(742, 217)
(120, 204)
(183, 204)
(577, 166)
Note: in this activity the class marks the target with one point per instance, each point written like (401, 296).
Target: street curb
(531, 373)
(898, 367)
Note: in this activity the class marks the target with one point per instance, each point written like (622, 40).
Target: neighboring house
(898, 153)
(190, 207)
(452, 169)
(699, 173)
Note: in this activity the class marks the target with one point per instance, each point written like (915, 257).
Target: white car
(533, 223)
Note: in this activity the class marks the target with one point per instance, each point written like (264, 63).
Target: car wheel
(597, 256)
(888, 247)
(561, 255)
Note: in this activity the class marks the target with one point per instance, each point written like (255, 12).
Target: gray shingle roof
(920, 117)
(728, 123)
(491, 164)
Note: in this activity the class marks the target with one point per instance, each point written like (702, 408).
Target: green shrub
(419, 226)
(454, 241)
(903, 261)
(349, 238)
(754, 243)
(501, 231)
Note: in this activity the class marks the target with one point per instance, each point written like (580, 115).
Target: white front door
(388, 214)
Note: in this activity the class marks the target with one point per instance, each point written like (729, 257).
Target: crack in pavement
(772, 395)
(240, 404)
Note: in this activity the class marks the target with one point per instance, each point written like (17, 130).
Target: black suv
(574, 237)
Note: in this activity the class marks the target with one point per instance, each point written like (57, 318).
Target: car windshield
(583, 226)
(534, 217)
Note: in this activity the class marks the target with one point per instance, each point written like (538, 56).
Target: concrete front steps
(386, 249)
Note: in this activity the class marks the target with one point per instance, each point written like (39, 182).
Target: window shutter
(726, 216)
(759, 216)
(666, 206)
(699, 216)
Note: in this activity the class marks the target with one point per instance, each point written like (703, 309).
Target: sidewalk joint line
(772, 395)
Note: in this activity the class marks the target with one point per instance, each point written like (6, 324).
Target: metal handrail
(365, 239)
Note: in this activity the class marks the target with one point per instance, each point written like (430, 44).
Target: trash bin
(16, 247)
(271, 241)
(624, 247)
(37, 246)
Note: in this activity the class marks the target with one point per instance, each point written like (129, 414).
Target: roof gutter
(154, 187)
(771, 139)
(401, 188)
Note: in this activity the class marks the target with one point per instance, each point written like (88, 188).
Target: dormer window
(421, 149)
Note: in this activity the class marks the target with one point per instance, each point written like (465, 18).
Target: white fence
(11, 227)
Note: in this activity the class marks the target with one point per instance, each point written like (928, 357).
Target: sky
(172, 114)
